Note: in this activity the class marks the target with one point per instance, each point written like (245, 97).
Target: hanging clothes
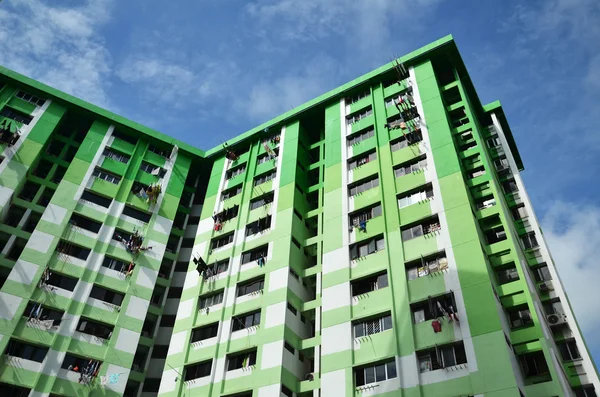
(362, 226)
(437, 326)
(260, 261)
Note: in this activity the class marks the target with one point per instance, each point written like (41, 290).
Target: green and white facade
(332, 233)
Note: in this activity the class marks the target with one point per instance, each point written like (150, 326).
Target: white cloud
(59, 46)
(360, 25)
(572, 232)
(271, 97)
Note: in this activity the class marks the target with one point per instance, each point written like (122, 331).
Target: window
(12, 390)
(255, 254)
(441, 357)
(25, 351)
(231, 192)
(72, 250)
(160, 351)
(519, 316)
(94, 328)
(114, 155)
(286, 392)
(34, 309)
(369, 284)
(166, 153)
(174, 292)
(263, 158)
(534, 364)
(136, 214)
(501, 164)
(123, 137)
(108, 296)
(258, 226)
(426, 265)
(199, 370)
(485, 202)
(76, 363)
(292, 309)
(29, 191)
(363, 186)
(493, 142)
(241, 360)
(221, 241)
(507, 274)
(261, 201)
(15, 115)
(415, 196)
(405, 140)
(541, 273)
(107, 176)
(519, 212)
(433, 307)
(153, 169)
(357, 97)
(361, 160)
(167, 320)
(188, 242)
(251, 287)
(289, 347)
(368, 247)
(421, 229)
(205, 332)
(495, 235)
(568, 350)
(211, 299)
(409, 168)
(476, 172)
(365, 215)
(96, 199)
(85, 223)
(375, 373)
(235, 171)
(246, 320)
(227, 214)
(529, 241)
(356, 117)
(218, 267)
(582, 391)
(509, 186)
(259, 180)
(151, 385)
(360, 136)
(372, 326)
(61, 281)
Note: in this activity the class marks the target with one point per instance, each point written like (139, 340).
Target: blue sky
(204, 71)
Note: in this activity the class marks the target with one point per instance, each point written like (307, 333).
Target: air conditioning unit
(556, 319)
(546, 286)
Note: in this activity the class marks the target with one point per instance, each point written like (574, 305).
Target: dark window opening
(211, 299)
(199, 370)
(137, 214)
(259, 253)
(96, 199)
(246, 320)
(241, 360)
(258, 226)
(25, 351)
(95, 328)
(204, 332)
(251, 287)
(85, 223)
(103, 294)
(369, 284)
(433, 307)
(72, 250)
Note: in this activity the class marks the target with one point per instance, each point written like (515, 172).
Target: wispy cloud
(272, 97)
(58, 45)
(573, 234)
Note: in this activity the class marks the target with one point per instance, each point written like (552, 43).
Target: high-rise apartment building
(377, 240)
